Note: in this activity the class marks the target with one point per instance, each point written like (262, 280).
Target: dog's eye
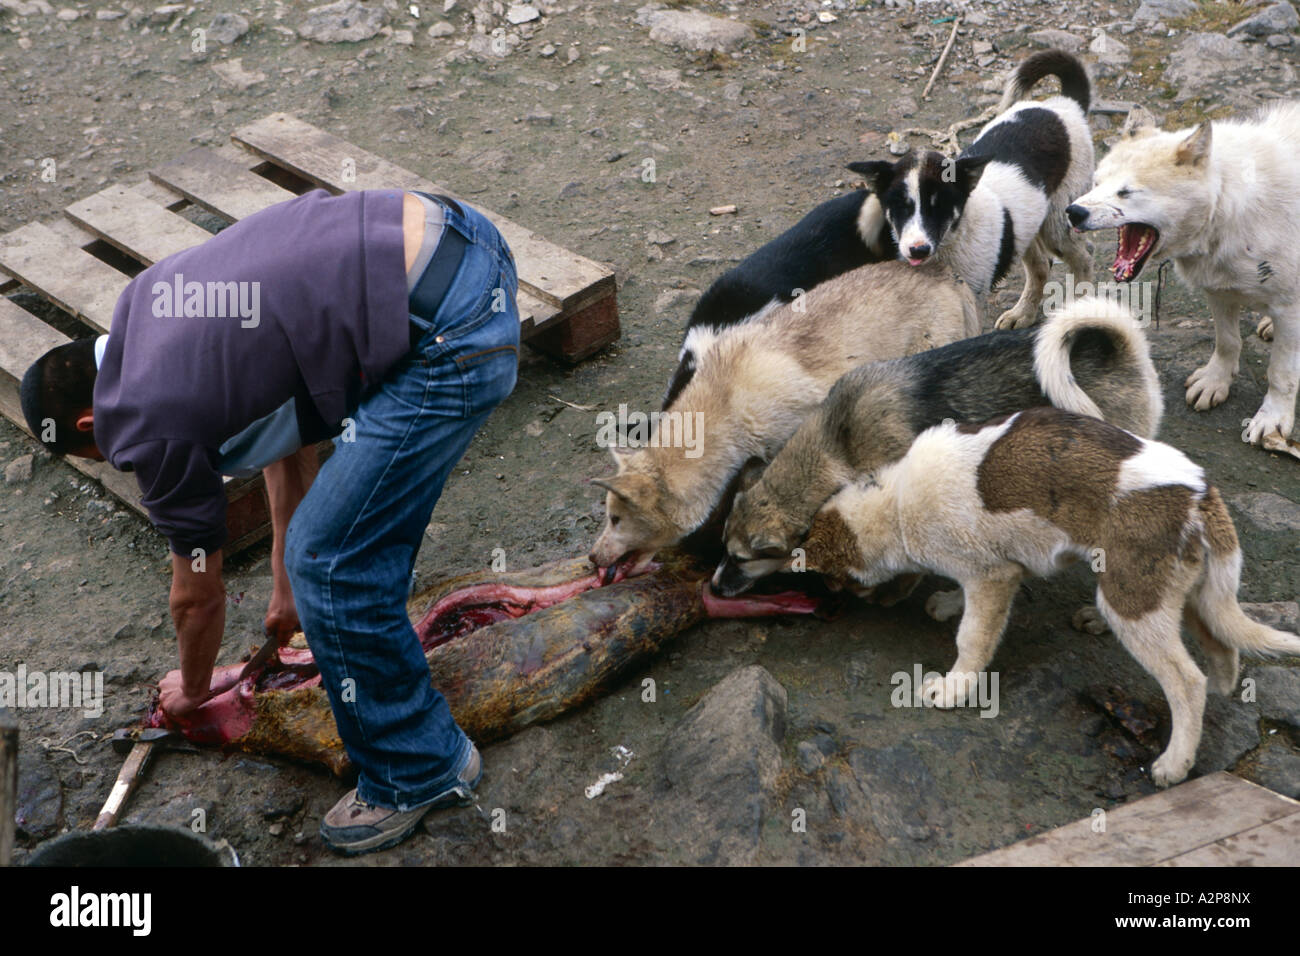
(1124, 193)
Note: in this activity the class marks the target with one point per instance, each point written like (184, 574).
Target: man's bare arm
(198, 606)
(287, 483)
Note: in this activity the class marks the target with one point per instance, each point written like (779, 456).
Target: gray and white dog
(1091, 358)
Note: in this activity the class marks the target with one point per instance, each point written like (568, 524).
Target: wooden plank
(62, 272)
(551, 273)
(1155, 828)
(218, 185)
(137, 226)
(1271, 844)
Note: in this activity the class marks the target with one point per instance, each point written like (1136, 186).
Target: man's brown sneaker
(354, 826)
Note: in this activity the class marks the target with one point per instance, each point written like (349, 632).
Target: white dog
(1223, 201)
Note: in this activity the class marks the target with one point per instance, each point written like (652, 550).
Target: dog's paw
(1208, 386)
(1269, 421)
(946, 692)
(1265, 328)
(1090, 620)
(1015, 319)
(945, 605)
(1168, 769)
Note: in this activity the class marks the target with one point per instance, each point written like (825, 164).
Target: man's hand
(173, 699)
(281, 616)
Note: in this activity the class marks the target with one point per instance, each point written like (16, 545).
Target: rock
(810, 757)
(981, 47)
(1164, 9)
(19, 470)
(441, 29)
(166, 12)
(1279, 770)
(232, 73)
(109, 14)
(1229, 732)
(1277, 691)
(1279, 40)
(1283, 615)
(721, 766)
(539, 118)
(1204, 59)
(404, 37)
(672, 298)
(521, 13)
(1278, 18)
(904, 799)
(283, 804)
(1108, 48)
(68, 14)
(657, 237)
(1058, 39)
(346, 21)
(226, 28)
(1268, 511)
(547, 50)
(692, 30)
(26, 9)
(40, 795)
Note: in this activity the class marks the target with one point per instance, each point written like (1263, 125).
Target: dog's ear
(970, 169)
(1195, 148)
(1139, 118)
(749, 474)
(614, 487)
(876, 172)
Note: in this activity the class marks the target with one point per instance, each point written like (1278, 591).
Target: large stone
(1278, 18)
(721, 766)
(1277, 691)
(1279, 770)
(904, 799)
(1229, 731)
(232, 73)
(40, 795)
(692, 30)
(18, 470)
(1057, 39)
(1268, 511)
(346, 21)
(1164, 9)
(1203, 60)
(226, 28)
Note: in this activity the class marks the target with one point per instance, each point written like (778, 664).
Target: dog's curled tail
(1216, 603)
(1064, 66)
(1125, 389)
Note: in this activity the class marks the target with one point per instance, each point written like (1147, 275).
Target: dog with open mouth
(1220, 200)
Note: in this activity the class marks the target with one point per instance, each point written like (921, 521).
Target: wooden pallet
(1219, 820)
(82, 261)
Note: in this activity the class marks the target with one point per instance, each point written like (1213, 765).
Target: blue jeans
(351, 546)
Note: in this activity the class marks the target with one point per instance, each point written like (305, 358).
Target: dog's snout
(1076, 214)
(919, 251)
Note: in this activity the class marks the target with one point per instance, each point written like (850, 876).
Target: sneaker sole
(381, 841)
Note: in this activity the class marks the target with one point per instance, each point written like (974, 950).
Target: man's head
(57, 395)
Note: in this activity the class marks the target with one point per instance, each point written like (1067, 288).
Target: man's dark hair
(58, 387)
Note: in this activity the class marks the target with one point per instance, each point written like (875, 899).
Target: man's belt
(437, 277)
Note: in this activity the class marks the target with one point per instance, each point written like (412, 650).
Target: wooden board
(218, 185)
(137, 226)
(64, 273)
(548, 272)
(1209, 819)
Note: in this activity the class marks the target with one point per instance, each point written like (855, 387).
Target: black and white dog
(1004, 197)
(837, 236)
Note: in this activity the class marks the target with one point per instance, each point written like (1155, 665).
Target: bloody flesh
(506, 651)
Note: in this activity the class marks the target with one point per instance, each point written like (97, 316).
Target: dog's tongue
(1135, 240)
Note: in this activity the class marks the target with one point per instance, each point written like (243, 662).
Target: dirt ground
(557, 142)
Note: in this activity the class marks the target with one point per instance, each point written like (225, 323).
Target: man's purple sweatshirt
(305, 301)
